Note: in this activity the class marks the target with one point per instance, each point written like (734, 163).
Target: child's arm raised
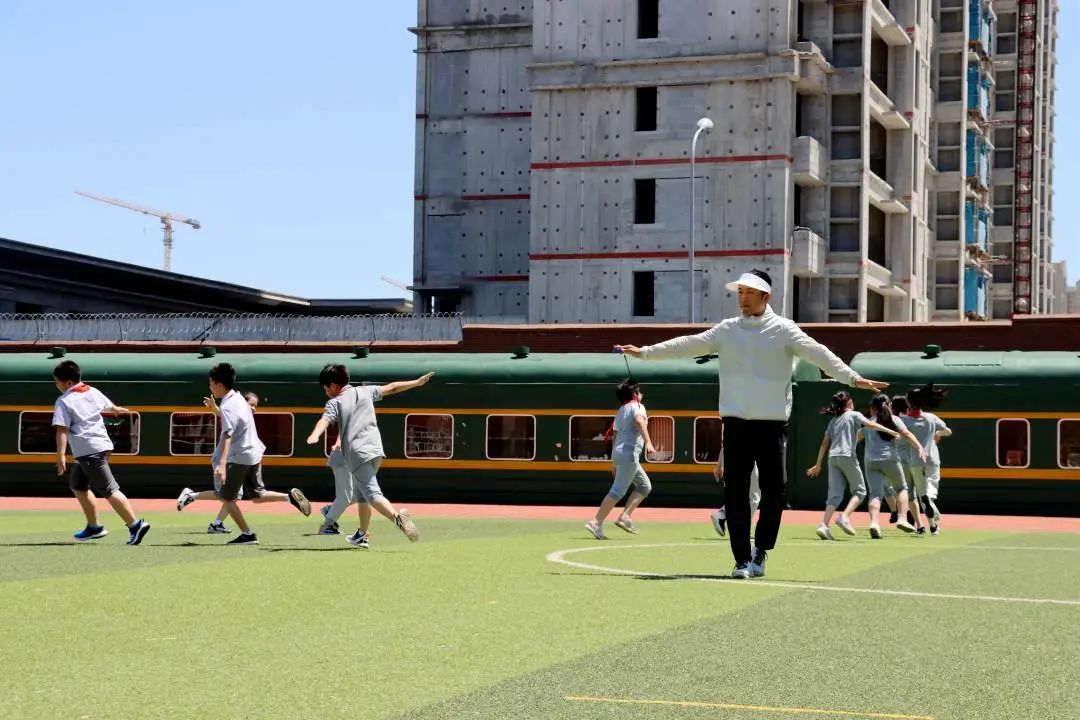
(398, 387)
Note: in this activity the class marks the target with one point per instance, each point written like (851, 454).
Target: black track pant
(747, 442)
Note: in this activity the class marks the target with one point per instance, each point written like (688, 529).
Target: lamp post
(702, 125)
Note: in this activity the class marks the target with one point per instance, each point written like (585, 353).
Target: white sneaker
(596, 530)
(625, 523)
(824, 532)
(875, 532)
(844, 524)
(905, 526)
(741, 571)
(187, 496)
(719, 522)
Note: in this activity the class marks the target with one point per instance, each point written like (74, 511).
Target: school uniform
(843, 463)
(926, 474)
(353, 412)
(243, 466)
(79, 410)
(882, 459)
(626, 452)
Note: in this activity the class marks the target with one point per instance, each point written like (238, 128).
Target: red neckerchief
(79, 388)
(914, 412)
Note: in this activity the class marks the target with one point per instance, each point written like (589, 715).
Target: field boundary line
(559, 557)
(753, 708)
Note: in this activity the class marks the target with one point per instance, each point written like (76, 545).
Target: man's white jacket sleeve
(686, 346)
(809, 349)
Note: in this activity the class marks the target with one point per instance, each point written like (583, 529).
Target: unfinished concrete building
(850, 158)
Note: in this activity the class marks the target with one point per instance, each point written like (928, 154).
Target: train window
(708, 440)
(511, 437)
(587, 440)
(662, 432)
(192, 433)
(37, 435)
(1069, 443)
(1013, 441)
(276, 432)
(429, 436)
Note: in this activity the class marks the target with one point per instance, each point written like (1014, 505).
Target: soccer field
(488, 618)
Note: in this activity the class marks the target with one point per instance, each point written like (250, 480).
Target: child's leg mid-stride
(344, 496)
(642, 488)
(627, 469)
(366, 485)
(843, 471)
(91, 476)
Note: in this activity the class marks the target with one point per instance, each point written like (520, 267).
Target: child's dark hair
(68, 371)
(837, 404)
(927, 397)
(225, 374)
(880, 407)
(626, 390)
(251, 397)
(334, 374)
(899, 405)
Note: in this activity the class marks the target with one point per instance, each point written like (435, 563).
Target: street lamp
(702, 125)
(789, 249)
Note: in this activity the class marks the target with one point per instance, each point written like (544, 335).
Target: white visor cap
(751, 281)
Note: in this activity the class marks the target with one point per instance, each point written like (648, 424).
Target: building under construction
(888, 160)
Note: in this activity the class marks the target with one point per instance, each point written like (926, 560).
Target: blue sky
(286, 129)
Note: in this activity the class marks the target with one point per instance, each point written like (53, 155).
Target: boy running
(217, 525)
(77, 419)
(237, 459)
(352, 410)
(929, 429)
(344, 496)
(631, 435)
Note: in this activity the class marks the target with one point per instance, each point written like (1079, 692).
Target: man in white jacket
(754, 357)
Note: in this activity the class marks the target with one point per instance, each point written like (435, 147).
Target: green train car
(495, 428)
(488, 428)
(1015, 418)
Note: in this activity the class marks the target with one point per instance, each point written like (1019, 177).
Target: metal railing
(211, 327)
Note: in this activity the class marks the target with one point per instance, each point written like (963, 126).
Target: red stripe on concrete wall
(655, 254)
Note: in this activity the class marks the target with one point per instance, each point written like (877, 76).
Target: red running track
(1005, 523)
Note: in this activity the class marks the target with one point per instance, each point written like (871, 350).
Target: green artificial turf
(473, 622)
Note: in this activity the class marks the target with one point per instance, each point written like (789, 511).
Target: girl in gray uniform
(631, 435)
(881, 455)
(840, 441)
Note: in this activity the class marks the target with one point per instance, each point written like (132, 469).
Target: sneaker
(921, 531)
(844, 524)
(625, 523)
(217, 528)
(596, 530)
(757, 565)
(935, 530)
(719, 522)
(359, 539)
(905, 526)
(91, 532)
(187, 496)
(893, 517)
(406, 525)
(244, 539)
(138, 532)
(298, 501)
(741, 571)
(325, 510)
(331, 529)
(875, 532)
(824, 532)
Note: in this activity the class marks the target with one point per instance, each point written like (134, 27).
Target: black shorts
(92, 472)
(246, 477)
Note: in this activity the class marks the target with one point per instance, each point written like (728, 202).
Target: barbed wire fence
(214, 327)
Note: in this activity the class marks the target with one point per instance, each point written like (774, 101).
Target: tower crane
(167, 219)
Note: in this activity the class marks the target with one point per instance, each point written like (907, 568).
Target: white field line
(559, 556)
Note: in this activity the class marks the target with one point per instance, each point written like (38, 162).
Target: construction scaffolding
(1028, 16)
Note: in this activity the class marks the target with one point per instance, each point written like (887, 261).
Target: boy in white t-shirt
(78, 422)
